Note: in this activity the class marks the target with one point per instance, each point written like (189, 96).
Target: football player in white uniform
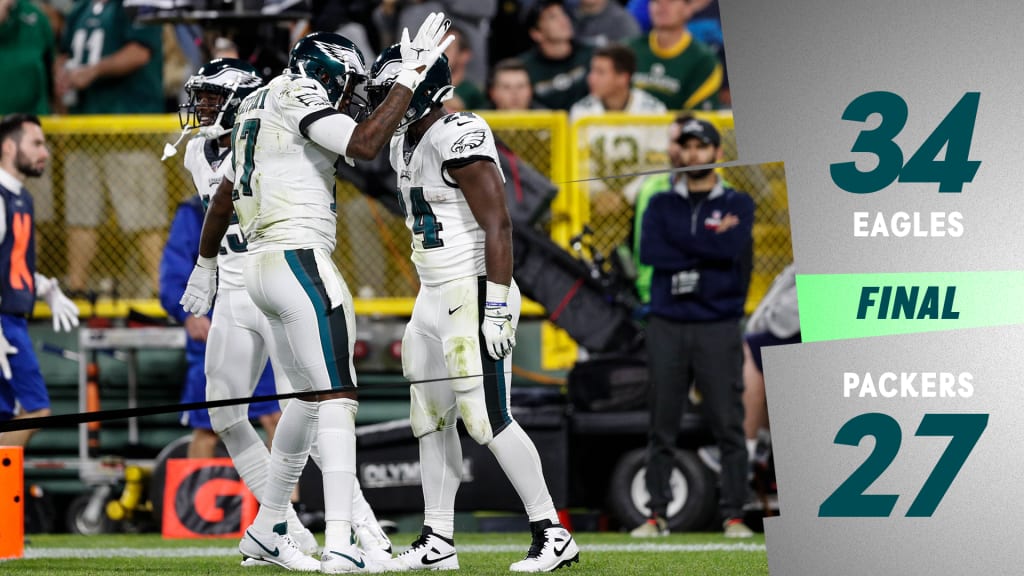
(286, 139)
(240, 341)
(464, 320)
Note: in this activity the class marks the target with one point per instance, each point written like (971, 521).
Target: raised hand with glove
(202, 287)
(496, 327)
(65, 313)
(420, 53)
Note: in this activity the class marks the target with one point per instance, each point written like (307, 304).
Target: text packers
(908, 385)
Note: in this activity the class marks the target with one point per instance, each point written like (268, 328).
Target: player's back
(447, 241)
(284, 182)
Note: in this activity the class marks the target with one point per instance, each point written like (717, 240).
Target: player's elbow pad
(332, 132)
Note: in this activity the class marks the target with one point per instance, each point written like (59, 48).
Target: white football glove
(420, 53)
(499, 334)
(64, 311)
(202, 287)
(5, 349)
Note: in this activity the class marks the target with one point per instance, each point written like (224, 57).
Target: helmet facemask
(214, 94)
(341, 88)
(205, 109)
(432, 91)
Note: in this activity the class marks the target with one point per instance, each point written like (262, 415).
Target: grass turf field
(479, 554)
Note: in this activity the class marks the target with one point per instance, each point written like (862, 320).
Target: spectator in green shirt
(27, 44)
(111, 65)
(557, 63)
(673, 66)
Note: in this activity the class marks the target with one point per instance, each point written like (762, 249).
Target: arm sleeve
(655, 247)
(332, 131)
(305, 109)
(179, 257)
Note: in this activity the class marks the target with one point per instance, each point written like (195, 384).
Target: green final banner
(842, 306)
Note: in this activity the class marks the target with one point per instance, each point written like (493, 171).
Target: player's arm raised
(418, 55)
(481, 184)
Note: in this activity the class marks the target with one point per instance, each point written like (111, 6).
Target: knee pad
(425, 417)
(475, 417)
(224, 417)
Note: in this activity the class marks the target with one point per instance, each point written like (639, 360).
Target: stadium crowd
(99, 56)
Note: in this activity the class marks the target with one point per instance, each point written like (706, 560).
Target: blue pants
(195, 391)
(26, 386)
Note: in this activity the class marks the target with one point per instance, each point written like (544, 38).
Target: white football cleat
(275, 547)
(429, 552)
(552, 548)
(374, 543)
(303, 538)
(347, 560)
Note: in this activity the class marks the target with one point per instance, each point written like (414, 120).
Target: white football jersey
(447, 241)
(206, 163)
(284, 182)
(640, 102)
(620, 148)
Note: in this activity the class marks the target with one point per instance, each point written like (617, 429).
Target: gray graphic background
(976, 527)
(794, 66)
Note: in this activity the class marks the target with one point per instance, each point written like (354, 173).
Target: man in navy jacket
(697, 236)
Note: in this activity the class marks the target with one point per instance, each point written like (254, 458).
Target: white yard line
(33, 552)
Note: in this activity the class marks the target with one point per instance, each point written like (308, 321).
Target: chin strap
(210, 132)
(172, 149)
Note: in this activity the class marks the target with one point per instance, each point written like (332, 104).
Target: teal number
(236, 243)
(954, 133)
(965, 430)
(849, 498)
(249, 129)
(893, 110)
(424, 221)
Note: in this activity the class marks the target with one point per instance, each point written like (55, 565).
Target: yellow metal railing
(585, 159)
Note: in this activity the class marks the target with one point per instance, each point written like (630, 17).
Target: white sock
(287, 459)
(363, 517)
(337, 433)
(249, 454)
(751, 448)
(441, 473)
(314, 448)
(519, 459)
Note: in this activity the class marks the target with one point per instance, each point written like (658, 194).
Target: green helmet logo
(330, 59)
(214, 93)
(435, 88)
